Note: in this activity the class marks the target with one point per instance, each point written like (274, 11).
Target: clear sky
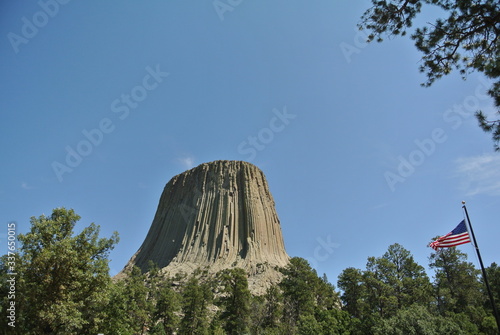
(102, 103)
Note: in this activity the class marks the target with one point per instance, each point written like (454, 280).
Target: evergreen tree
(195, 300)
(493, 273)
(158, 329)
(308, 325)
(389, 283)
(273, 307)
(310, 302)
(117, 310)
(167, 307)
(410, 282)
(394, 296)
(467, 40)
(298, 286)
(459, 292)
(216, 325)
(380, 294)
(417, 319)
(65, 278)
(334, 321)
(331, 322)
(395, 281)
(163, 303)
(352, 285)
(235, 301)
(138, 306)
(257, 314)
(325, 295)
(457, 287)
(15, 317)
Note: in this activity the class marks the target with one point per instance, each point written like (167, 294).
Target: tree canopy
(64, 279)
(466, 40)
(64, 287)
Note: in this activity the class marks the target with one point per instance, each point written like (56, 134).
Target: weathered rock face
(218, 215)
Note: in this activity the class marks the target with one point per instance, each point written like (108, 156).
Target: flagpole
(495, 311)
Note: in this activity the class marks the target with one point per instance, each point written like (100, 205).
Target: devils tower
(216, 216)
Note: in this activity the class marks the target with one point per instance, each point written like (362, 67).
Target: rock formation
(215, 216)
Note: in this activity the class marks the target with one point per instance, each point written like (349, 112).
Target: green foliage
(325, 295)
(162, 303)
(134, 304)
(333, 321)
(305, 297)
(488, 126)
(195, 300)
(298, 286)
(330, 322)
(257, 314)
(308, 325)
(389, 18)
(408, 279)
(117, 311)
(65, 278)
(493, 273)
(466, 40)
(273, 307)
(235, 301)
(417, 319)
(158, 329)
(18, 297)
(394, 296)
(168, 303)
(457, 287)
(351, 283)
(389, 283)
(138, 305)
(143, 301)
(63, 287)
(216, 326)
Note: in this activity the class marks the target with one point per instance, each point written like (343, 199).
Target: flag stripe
(457, 236)
(448, 245)
(453, 242)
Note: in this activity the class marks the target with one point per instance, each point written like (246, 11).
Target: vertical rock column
(217, 215)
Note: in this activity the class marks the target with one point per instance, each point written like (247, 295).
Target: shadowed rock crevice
(216, 216)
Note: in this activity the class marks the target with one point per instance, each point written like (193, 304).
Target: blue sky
(102, 103)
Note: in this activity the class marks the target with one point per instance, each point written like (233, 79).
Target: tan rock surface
(215, 216)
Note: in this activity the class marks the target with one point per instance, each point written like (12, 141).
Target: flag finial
(463, 202)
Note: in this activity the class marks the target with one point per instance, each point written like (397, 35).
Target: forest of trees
(63, 286)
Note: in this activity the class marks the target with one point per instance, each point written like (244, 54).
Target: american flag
(457, 236)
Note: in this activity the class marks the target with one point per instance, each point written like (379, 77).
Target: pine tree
(118, 319)
(493, 273)
(457, 286)
(351, 283)
(138, 306)
(167, 307)
(273, 307)
(411, 283)
(298, 286)
(389, 283)
(417, 319)
(65, 278)
(467, 40)
(195, 299)
(235, 301)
